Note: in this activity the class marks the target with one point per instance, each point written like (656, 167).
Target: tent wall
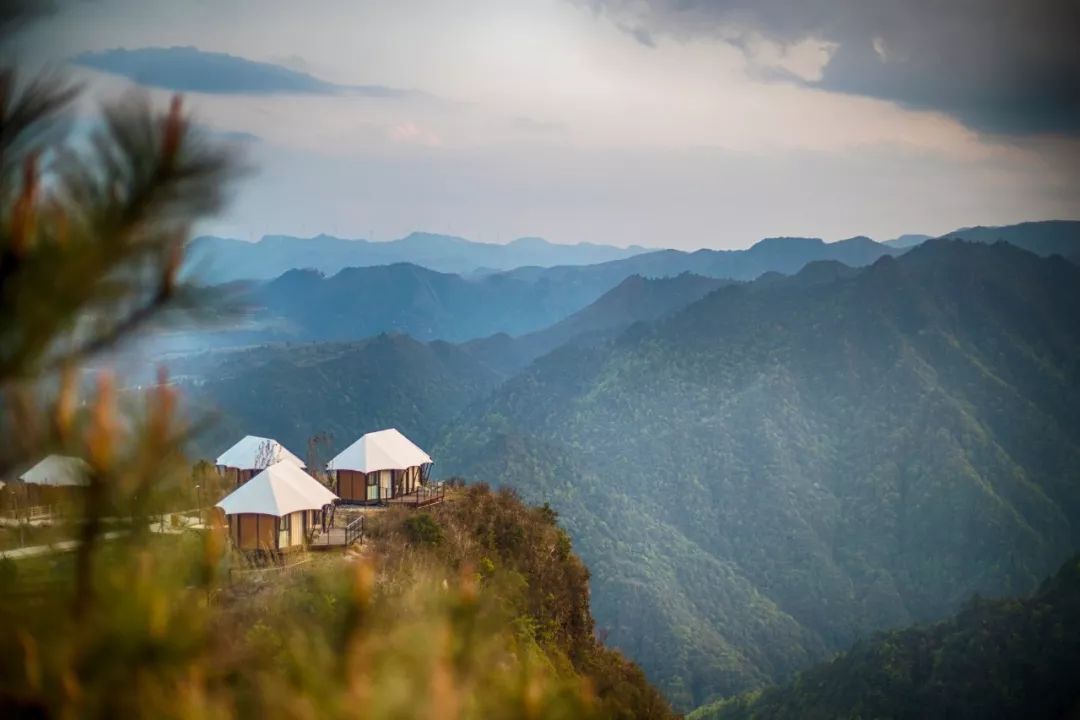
(353, 486)
(236, 476)
(250, 531)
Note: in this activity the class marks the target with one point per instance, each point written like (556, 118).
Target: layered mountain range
(216, 260)
(757, 473)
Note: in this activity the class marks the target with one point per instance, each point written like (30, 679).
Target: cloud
(189, 69)
(413, 134)
(687, 198)
(998, 66)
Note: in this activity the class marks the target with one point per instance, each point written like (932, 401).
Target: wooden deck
(339, 537)
(422, 497)
(334, 537)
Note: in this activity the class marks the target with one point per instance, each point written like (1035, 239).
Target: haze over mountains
(218, 260)
(394, 378)
(358, 302)
(352, 303)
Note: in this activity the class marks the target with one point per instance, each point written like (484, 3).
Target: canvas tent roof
(254, 451)
(278, 490)
(58, 471)
(381, 450)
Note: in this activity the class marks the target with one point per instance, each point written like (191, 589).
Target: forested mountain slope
(294, 392)
(785, 255)
(996, 658)
(781, 467)
(1046, 237)
(360, 302)
(635, 299)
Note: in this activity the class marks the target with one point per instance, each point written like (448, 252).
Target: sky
(664, 123)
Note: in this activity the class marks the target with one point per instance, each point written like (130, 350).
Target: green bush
(422, 529)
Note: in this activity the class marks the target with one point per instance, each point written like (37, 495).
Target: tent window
(284, 528)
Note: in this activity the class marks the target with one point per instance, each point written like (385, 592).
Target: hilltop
(478, 604)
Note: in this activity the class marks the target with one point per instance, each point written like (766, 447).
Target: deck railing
(354, 531)
(421, 497)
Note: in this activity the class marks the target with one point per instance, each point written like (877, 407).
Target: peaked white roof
(278, 490)
(254, 451)
(382, 450)
(58, 470)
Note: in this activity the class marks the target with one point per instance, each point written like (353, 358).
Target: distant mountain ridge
(1042, 237)
(786, 255)
(359, 302)
(908, 240)
(217, 260)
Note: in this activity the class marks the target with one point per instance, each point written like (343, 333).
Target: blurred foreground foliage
(475, 610)
(491, 622)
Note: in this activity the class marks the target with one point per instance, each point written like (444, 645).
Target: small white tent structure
(58, 471)
(378, 467)
(277, 509)
(250, 455)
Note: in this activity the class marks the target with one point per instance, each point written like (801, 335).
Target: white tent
(278, 490)
(381, 450)
(256, 452)
(58, 471)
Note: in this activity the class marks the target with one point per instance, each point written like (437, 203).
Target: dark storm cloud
(188, 69)
(999, 66)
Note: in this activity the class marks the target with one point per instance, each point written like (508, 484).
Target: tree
(91, 243)
(266, 455)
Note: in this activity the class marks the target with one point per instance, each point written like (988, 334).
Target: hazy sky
(675, 123)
